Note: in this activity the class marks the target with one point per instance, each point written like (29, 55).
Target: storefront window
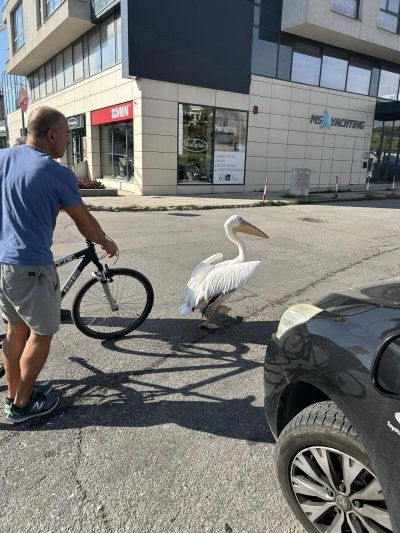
(117, 150)
(230, 147)
(212, 145)
(195, 159)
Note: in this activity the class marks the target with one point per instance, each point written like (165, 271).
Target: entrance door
(77, 146)
(384, 162)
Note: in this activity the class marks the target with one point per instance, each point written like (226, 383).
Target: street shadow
(136, 398)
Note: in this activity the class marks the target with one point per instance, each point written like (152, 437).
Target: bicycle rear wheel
(133, 295)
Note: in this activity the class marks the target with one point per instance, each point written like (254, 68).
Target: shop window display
(212, 145)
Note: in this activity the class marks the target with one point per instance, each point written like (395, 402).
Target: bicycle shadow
(137, 398)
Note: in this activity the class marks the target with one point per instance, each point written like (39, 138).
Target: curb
(266, 203)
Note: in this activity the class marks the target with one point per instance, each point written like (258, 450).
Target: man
(32, 188)
(65, 313)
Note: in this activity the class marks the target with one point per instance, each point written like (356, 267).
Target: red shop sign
(113, 113)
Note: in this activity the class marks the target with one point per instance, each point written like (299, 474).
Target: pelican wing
(202, 269)
(229, 278)
(195, 291)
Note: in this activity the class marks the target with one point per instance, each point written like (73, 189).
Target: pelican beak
(246, 227)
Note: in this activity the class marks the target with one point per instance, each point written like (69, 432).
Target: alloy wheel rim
(337, 493)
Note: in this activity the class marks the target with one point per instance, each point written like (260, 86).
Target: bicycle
(99, 310)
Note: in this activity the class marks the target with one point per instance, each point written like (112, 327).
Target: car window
(388, 368)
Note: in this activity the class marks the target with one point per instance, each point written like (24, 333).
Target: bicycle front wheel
(133, 296)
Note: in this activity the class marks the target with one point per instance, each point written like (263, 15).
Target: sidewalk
(131, 202)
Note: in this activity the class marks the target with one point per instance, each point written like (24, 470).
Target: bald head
(42, 119)
(48, 130)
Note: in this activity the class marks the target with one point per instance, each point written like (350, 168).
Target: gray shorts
(31, 294)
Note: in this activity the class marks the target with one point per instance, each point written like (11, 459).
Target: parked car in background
(332, 401)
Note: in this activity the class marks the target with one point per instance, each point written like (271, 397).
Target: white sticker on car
(397, 416)
(392, 427)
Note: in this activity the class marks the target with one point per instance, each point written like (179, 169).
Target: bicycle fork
(105, 283)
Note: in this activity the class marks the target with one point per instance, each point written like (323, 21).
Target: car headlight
(295, 315)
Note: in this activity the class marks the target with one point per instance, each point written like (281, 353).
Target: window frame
(357, 9)
(16, 37)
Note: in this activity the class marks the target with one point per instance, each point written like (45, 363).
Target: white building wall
(280, 136)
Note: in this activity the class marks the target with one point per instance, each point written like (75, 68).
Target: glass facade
(9, 86)
(211, 145)
(280, 55)
(98, 50)
(383, 164)
(116, 149)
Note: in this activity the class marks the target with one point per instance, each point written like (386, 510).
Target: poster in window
(230, 147)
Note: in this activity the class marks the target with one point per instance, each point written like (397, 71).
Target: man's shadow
(131, 399)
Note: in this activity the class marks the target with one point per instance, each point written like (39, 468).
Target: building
(196, 97)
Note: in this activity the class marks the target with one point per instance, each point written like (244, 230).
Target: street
(164, 430)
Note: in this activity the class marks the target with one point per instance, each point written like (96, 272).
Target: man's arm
(90, 228)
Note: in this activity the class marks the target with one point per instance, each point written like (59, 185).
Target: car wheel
(326, 475)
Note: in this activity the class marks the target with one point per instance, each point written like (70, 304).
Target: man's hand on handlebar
(109, 247)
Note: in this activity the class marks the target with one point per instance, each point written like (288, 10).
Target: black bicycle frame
(88, 256)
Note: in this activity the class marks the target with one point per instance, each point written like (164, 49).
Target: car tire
(318, 436)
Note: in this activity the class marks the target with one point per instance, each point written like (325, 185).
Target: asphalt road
(164, 430)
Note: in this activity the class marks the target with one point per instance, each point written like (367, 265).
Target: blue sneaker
(38, 406)
(44, 387)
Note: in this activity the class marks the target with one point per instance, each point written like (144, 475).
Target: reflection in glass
(68, 67)
(60, 72)
(284, 62)
(94, 52)
(388, 85)
(107, 43)
(306, 68)
(195, 157)
(78, 61)
(387, 21)
(264, 56)
(49, 78)
(229, 146)
(358, 80)
(118, 39)
(346, 7)
(333, 73)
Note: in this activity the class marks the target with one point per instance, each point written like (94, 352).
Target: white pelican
(213, 280)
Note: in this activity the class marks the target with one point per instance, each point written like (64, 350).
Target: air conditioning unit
(300, 184)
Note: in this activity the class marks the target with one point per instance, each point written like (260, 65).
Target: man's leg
(32, 360)
(13, 346)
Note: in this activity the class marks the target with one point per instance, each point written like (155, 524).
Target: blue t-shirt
(33, 186)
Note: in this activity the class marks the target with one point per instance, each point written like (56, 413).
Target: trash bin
(300, 185)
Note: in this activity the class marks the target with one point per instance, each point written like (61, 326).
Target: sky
(3, 43)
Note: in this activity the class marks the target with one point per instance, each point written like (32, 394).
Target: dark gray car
(332, 400)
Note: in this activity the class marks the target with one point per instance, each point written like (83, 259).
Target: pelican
(214, 280)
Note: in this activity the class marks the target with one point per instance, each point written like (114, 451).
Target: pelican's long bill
(246, 227)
